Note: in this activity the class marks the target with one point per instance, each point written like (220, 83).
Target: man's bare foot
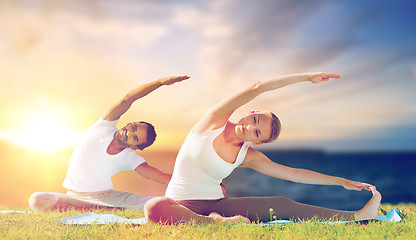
(235, 219)
(371, 208)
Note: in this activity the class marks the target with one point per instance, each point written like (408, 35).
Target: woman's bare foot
(371, 208)
(235, 219)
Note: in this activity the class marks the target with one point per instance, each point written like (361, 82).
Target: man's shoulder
(99, 130)
(101, 123)
(133, 154)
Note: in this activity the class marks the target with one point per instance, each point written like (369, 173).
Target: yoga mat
(14, 211)
(93, 218)
(392, 216)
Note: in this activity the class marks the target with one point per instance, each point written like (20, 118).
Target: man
(103, 151)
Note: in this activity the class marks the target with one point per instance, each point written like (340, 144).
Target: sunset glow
(42, 131)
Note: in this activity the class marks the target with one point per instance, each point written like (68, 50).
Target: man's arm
(152, 173)
(125, 103)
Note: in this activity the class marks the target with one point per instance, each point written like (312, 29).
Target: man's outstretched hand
(322, 76)
(172, 80)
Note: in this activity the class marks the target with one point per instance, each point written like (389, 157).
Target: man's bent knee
(157, 209)
(42, 201)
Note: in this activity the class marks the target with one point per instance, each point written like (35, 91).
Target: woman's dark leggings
(264, 209)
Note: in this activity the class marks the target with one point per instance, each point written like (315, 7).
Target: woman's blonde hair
(276, 127)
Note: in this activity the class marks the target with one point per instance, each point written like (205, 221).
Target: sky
(64, 63)
(69, 61)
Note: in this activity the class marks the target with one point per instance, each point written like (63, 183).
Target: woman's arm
(259, 162)
(217, 116)
(125, 103)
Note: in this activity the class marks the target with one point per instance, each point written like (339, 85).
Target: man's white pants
(41, 201)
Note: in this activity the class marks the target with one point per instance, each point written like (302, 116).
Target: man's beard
(120, 140)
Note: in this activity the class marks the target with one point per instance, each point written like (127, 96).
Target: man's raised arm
(125, 103)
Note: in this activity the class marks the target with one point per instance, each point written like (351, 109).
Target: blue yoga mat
(392, 216)
(94, 218)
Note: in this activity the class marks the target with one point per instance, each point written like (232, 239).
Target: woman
(215, 147)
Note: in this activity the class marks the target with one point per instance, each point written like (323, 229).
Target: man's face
(132, 134)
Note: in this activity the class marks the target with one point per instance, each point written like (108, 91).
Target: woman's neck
(229, 134)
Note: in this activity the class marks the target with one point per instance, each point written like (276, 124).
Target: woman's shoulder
(204, 127)
(252, 156)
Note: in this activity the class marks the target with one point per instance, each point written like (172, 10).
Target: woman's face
(255, 128)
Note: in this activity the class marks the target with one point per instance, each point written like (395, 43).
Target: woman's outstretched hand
(172, 80)
(322, 76)
(358, 186)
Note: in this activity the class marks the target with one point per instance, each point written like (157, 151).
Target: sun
(42, 131)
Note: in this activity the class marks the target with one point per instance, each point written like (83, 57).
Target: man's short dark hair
(151, 136)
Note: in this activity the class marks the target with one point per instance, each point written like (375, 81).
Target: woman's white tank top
(199, 170)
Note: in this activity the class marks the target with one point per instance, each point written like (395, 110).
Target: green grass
(47, 226)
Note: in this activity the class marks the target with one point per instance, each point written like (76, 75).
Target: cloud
(251, 32)
(126, 24)
(242, 40)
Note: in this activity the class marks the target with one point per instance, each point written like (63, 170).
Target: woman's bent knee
(42, 201)
(157, 209)
(284, 201)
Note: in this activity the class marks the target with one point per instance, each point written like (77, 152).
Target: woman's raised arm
(217, 116)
